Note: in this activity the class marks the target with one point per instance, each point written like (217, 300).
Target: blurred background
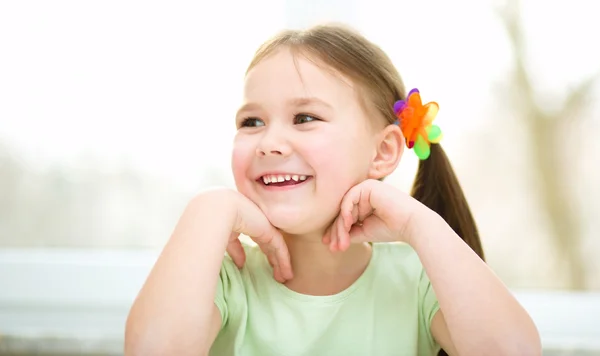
(114, 113)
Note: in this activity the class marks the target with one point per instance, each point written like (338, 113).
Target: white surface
(51, 295)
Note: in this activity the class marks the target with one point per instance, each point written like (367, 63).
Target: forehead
(286, 74)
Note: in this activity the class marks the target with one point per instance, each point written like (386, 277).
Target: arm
(174, 313)
(478, 315)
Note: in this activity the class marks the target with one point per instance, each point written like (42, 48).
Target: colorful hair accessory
(415, 121)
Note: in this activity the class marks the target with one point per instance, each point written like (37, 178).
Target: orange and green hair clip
(416, 122)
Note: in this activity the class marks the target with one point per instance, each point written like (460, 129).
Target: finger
(237, 253)
(277, 275)
(353, 216)
(364, 210)
(348, 217)
(327, 236)
(252, 221)
(276, 270)
(349, 207)
(284, 262)
(364, 205)
(363, 232)
(281, 258)
(348, 202)
(271, 242)
(343, 239)
(362, 200)
(270, 258)
(333, 235)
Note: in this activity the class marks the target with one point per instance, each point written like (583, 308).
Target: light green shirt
(386, 312)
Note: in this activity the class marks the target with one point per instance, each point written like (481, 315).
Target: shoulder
(234, 283)
(255, 262)
(399, 263)
(255, 265)
(397, 254)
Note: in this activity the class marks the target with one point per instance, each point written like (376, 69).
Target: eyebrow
(307, 101)
(299, 102)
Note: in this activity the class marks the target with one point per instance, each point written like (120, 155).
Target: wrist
(214, 207)
(421, 223)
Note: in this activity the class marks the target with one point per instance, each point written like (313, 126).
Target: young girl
(345, 264)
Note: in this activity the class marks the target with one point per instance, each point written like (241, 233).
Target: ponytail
(437, 187)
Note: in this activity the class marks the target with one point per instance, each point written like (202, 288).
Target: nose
(273, 143)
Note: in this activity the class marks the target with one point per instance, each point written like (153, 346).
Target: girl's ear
(388, 151)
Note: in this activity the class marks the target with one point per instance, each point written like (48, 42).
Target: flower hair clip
(415, 121)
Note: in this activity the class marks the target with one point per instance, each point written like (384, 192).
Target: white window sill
(69, 301)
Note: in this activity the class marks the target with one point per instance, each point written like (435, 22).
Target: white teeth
(268, 179)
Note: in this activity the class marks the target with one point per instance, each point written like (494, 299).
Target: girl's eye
(252, 122)
(304, 118)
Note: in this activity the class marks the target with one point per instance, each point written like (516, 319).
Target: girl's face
(303, 141)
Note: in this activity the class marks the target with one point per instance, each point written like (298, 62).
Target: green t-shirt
(386, 312)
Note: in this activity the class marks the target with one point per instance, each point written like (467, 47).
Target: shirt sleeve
(228, 286)
(428, 307)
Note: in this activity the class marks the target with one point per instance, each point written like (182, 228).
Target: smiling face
(303, 140)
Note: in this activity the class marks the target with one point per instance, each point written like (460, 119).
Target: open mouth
(282, 180)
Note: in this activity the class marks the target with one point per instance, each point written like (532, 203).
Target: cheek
(241, 159)
(341, 162)
(341, 156)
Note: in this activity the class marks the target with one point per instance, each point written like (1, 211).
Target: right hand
(252, 222)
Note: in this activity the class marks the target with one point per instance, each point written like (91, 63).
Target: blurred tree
(547, 131)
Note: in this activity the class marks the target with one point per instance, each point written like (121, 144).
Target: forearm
(172, 313)
(482, 315)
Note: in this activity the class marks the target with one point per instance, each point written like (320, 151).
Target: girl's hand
(252, 222)
(372, 211)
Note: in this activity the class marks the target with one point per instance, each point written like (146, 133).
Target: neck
(318, 271)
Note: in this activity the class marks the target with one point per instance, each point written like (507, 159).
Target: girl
(344, 263)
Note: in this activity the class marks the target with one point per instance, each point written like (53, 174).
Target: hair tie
(415, 121)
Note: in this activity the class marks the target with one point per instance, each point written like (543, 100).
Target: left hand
(372, 211)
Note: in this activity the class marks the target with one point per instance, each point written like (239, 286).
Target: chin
(297, 221)
(290, 221)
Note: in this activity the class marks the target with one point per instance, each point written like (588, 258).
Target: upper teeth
(276, 178)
